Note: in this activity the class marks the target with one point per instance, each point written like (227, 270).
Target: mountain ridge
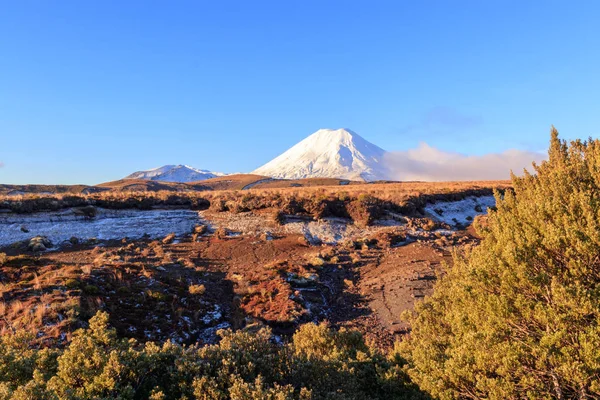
(326, 153)
(174, 173)
(329, 153)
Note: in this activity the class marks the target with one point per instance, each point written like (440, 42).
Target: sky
(91, 91)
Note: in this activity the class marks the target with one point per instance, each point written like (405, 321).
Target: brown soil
(248, 281)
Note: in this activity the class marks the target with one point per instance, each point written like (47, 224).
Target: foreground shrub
(318, 364)
(519, 316)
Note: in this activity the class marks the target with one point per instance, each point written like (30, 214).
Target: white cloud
(426, 163)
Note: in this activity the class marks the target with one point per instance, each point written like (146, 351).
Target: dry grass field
(139, 193)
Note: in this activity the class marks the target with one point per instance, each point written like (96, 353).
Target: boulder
(39, 244)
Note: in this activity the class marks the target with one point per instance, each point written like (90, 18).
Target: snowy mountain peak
(331, 153)
(335, 136)
(174, 173)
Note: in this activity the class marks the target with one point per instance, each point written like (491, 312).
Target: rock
(266, 236)
(38, 247)
(39, 244)
(87, 212)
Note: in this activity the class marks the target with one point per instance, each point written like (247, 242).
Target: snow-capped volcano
(174, 173)
(329, 153)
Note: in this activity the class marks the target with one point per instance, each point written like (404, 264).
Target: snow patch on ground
(328, 231)
(245, 223)
(332, 231)
(212, 316)
(460, 212)
(108, 224)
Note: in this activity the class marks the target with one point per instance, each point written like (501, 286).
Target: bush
(519, 316)
(279, 217)
(72, 283)
(319, 363)
(91, 289)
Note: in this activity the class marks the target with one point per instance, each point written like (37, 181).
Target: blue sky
(93, 90)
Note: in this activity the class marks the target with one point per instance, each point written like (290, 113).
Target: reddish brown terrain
(281, 258)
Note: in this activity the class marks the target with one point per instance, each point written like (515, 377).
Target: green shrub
(91, 289)
(123, 290)
(157, 295)
(72, 283)
(519, 316)
(318, 364)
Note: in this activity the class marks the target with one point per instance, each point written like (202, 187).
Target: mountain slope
(174, 173)
(329, 153)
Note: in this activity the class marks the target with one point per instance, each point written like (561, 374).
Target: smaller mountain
(175, 173)
(329, 153)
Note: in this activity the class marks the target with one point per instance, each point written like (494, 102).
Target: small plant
(222, 233)
(365, 198)
(157, 295)
(327, 253)
(429, 225)
(123, 290)
(91, 289)
(344, 196)
(317, 262)
(197, 290)
(279, 217)
(72, 283)
(169, 238)
(218, 205)
(200, 229)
